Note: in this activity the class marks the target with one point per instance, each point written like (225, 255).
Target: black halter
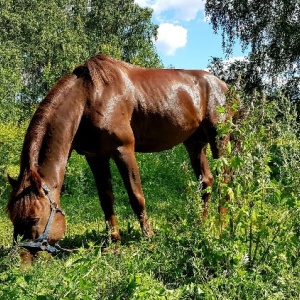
(42, 242)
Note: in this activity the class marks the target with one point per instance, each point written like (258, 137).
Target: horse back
(155, 109)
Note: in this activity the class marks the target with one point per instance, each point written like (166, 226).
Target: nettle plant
(262, 224)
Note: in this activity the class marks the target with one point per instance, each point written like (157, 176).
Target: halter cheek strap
(42, 242)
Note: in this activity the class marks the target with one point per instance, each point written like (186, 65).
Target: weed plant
(251, 252)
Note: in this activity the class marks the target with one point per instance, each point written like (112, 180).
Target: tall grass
(252, 252)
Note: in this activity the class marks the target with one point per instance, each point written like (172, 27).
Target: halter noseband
(42, 242)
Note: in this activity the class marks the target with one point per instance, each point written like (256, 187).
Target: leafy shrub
(11, 140)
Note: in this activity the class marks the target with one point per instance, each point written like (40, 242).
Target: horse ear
(12, 182)
(35, 179)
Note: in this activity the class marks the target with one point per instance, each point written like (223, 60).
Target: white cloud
(183, 10)
(170, 37)
(143, 3)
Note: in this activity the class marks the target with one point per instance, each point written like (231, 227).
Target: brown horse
(110, 109)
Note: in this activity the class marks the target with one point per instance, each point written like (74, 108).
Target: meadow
(252, 252)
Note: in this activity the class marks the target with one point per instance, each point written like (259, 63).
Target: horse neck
(49, 138)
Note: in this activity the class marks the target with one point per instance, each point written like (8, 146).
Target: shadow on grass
(89, 240)
(93, 238)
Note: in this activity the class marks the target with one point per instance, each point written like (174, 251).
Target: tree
(42, 40)
(45, 41)
(271, 30)
(124, 28)
(238, 71)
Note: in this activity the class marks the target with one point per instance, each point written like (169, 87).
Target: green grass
(165, 196)
(187, 259)
(252, 254)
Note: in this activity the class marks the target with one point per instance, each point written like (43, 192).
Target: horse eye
(33, 221)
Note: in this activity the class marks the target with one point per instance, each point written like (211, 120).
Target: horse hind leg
(199, 162)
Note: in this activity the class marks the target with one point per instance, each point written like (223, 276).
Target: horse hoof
(148, 233)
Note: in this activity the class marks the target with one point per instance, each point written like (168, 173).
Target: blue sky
(185, 38)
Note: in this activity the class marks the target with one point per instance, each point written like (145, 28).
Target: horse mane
(39, 124)
(103, 68)
(21, 199)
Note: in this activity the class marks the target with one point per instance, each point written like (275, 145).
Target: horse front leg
(128, 168)
(101, 170)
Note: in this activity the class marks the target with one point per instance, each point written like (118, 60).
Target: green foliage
(11, 138)
(264, 206)
(241, 71)
(124, 30)
(41, 41)
(10, 81)
(251, 252)
(270, 28)
(47, 40)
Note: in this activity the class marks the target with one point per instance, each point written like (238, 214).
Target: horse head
(35, 215)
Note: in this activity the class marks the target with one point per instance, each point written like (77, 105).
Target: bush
(11, 140)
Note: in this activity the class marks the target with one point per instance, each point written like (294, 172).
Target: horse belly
(160, 134)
